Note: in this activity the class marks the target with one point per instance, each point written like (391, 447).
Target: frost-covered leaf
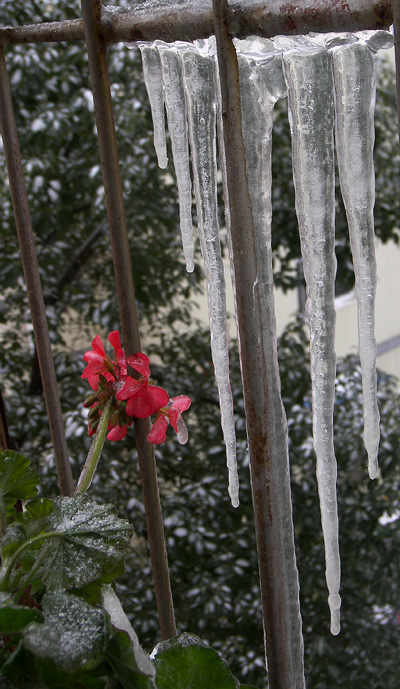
(72, 634)
(87, 541)
(91, 593)
(130, 662)
(188, 663)
(17, 478)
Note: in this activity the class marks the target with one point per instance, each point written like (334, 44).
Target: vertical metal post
(396, 22)
(91, 10)
(266, 423)
(32, 278)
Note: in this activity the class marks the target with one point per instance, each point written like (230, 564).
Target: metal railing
(172, 21)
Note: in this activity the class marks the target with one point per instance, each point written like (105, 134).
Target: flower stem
(93, 457)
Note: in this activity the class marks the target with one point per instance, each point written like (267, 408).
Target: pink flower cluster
(131, 397)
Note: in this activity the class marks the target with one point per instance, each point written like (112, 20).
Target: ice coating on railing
(311, 114)
(198, 71)
(175, 104)
(262, 83)
(153, 81)
(354, 77)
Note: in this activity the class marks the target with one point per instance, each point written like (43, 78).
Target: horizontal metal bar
(188, 20)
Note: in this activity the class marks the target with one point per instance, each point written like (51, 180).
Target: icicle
(153, 81)
(199, 83)
(177, 124)
(354, 76)
(310, 90)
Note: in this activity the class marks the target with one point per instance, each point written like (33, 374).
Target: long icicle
(153, 81)
(199, 82)
(354, 77)
(311, 115)
(175, 104)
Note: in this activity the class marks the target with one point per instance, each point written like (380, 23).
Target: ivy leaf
(188, 663)
(18, 479)
(72, 635)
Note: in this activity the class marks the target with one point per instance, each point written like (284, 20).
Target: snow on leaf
(72, 633)
(91, 541)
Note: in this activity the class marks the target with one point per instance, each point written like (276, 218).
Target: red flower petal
(115, 340)
(92, 356)
(140, 362)
(97, 346)
(131, 387)
(158, 431)
(121, 361)
(146, 402)
(173, 415)
(158, 396)
(117, 433)
(94, 382)
(93, 368)
(182, 402)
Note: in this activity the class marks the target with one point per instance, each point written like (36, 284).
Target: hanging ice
(153, 81)
(354, 76)
(198, 70)
(261, 85)
(311, 113)
(177, 123)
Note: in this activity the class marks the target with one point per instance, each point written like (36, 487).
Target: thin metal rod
(32, 278)
(91, 10)
(396, 22)
(265, 417)
(188, 20)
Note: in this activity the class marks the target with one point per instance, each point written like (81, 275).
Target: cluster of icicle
(329, 80)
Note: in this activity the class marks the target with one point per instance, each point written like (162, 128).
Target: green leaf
(132, 666)
(13, 618)
(120, 656)
(91, 593)
(19, 672)
(83, 541)
(23, 670)
(72, 635)
(92, 541)
(17, 478)
(188, 663)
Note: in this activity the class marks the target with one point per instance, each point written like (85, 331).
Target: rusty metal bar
(265, 416)
(32, 278)
(396, 22)
(188, 20)
(91, 10)
(5, 442)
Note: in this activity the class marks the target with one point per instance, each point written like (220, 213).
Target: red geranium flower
(171, 414)
(100, 363)
(143, 398)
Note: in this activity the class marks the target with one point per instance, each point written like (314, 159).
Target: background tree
(211, 546)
